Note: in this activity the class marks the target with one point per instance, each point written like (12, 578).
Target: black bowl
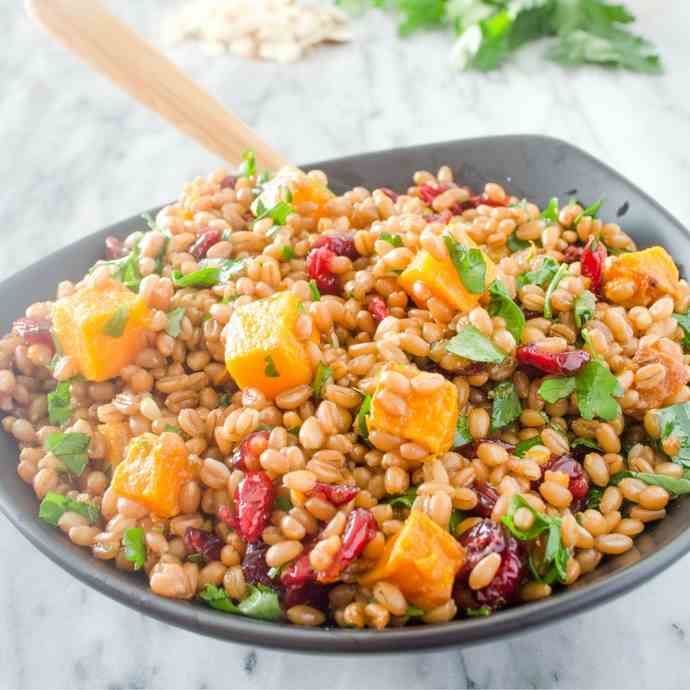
(530, 166)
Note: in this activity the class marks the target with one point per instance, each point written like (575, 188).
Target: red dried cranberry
(552, 362)
(114, 248)
(360, 528)
(34, 331)
(204, 243)
(244, 450)
(377, 308)
(318, 268)
(253, 503)
(393, 196)
(228, 182)
(312, 593)
(299, 572)
(485, 538)
(592, 263)
(254, 567)
(572, 253)
(337, 494)
(427, 193)
(340, 245)
(486, 499)
(205, 543)
(579, 483)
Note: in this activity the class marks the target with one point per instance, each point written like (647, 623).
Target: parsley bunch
(488, 31)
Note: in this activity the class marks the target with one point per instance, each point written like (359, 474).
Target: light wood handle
(105, 43)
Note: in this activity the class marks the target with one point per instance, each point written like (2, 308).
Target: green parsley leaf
(116, 324)
(395, 240)
(278, 213)
(674, 421)
(556, 555)
(595, 387)
(556, 388)
(126, 269)
(541, 275)
(502, 305)
(135, 546)
(525, 445)
(248, 166)
(560, 274)
(456, 517)
(551, 211)
(274, 572)
(262, 604)
(586, 442)
(517, 245)
(212, 272)
(473, 345)
(403, 500)
(414, 612)
(287, 252)
(175, 321)
(60, 404)
(481, 612)
(270, 369)
(71, 448)
(469, 264)
(323, 373)
(593, 497)
(361, 419)
(590, 212)
(314, 290)
(217, 598)
(462, 432)
(585, 306)
(676, 487)
(283, 503)
(54, 505)
(506, 407)
(684, 323)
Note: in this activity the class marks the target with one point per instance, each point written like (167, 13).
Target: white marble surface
(77, 155)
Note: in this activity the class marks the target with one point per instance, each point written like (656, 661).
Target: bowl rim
(133, 592)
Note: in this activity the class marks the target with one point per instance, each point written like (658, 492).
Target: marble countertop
(78, 155)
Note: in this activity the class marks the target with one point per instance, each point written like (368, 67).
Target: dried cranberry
(299, 572)
(360, 528)
(205, 543)
(485, 538)
(254, 567)
(204, 243)
(427, 193)
(253, 502)
(592, 263)
(393, 196)
(312, 593)
(319, 270)
(552, 362)
(579, 483)
(114, 248)
(228, 182)
(486, 499)
(572, 253)
(34, 331)
(377, 308)
(340, 245)
(337, 494)
(243, 451)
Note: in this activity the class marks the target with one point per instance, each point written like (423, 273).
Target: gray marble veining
(77, 155)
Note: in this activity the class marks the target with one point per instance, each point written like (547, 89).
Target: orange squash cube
(153, 473)
(430, 419)
(261, 348)
(652, 272)
(102, 329)
(117, 435)
(422, 560)
(441, 278)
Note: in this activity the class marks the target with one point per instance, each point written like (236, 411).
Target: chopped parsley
(175, 321)
(54, 505)
(502, 305)
(135, 546)
(469, 264)
(314, 290)
(506, 405)
(70, 447)
(323, 373)
(116, 324)
(271, 371)
(471, 344)
(60, 404)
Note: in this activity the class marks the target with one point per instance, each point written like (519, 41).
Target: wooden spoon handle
(105, 43)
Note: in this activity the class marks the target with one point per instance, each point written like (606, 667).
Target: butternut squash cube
(422, 560)
(430, 419)
(153, 473)
(117, 435)
(651, 271)
(442, 279)
(261, 348)
(102, 329)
